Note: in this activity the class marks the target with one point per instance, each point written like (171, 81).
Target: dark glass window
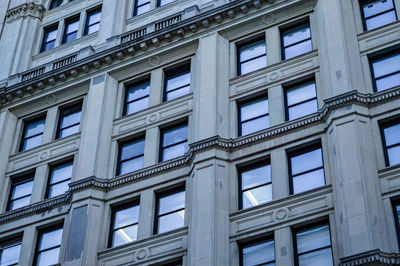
(170, 212)
(173, 142)
(32, 136)
(60, 177)
(306, 169)
(386, 71)
(70, 30)
(391, 142)
(301, 100)
(124, 224)
(255, 185)
(164, 2)
(137, 97)
(9, 253)
(259, 253)
(93, 21)
(21, 190)
(313, 246)
(252, 55)
(48, 246)
(253, 116)
(131, 156)
(377, 13)
(49, 38)
(396, 213)
(296, 41)
(70, 118)
(55, 3)
(141, 6)
(177, 82)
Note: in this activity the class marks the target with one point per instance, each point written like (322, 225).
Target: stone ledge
(373, 257)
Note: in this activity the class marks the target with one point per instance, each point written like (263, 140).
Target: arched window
(55, 3)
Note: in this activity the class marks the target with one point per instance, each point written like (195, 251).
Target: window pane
(142, 9)
(259, 254)
(94, 17)
(253, 109)
(50, 239)
(255, 125)
(178, 81)
(257, 196)
(137, 106)
(303, 109)
(301, 93)
(48, 46)
(125, 235)
(68, 131)
(72, 26)
(20, 203)
(22, 190)
(381, 20)
(252, 50)
(126, 217)
(296, 35)
(49, 257)
(171, 221)
(177, 93)
(172, 202)
(50, 35)
(131, 165)
(256, 177)
(308, 181)
(70, 37)
(174, 151)
(317, 258)
(298, 49)
(141, 2)
(175, 135)
(388, 82)
(10, 255)
(34, 128)
(138, 91)
(392, 135)
(132, 149)
(94, 28)
(253, 65)
(61, 172)
(70, 119)
(377, 7)
(314, 238)
(59, 189)
(306, 161)
(394, 155)
(386, 65)
(32, 142)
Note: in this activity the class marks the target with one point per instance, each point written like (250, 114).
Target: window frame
(386, 53)
(382, 126)
(122, 143)
(136, 6)
(305, 228)
(299, 83)
(25, 123)
(68, 22)
(52, 167)
(239, 45)
(262, 96)
(166, 193)
(46, 32)
(166, 128)
(40, 233)
(362, 3)
(173, 72)
(54, 2)
(396, 202)
(297, 25)
(67, 110)
(255, 242)
(128, 86)
(89, 13)
(19, 180)
(114, 210)
(299, 150)
(15, 241)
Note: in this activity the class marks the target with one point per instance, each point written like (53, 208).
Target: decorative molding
(29, 9)
(373, 257)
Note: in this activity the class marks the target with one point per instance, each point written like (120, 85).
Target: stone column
(283, 246)
(112, 19)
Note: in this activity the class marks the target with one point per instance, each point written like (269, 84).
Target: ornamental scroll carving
(28, 9)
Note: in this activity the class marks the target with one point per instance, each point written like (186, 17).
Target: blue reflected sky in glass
(259, 254)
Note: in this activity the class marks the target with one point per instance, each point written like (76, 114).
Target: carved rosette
(29, 9)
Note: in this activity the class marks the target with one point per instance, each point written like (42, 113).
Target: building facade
(199, 132)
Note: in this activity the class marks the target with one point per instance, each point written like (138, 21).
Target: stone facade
(356, 200)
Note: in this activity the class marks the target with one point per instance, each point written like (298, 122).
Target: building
(199, 132)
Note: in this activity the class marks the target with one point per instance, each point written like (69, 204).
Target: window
(391, 141)
(170, 211)
(386, 71)
(296, 41)
(141, 6)
(252, 55)
(177, 82)
(131, 156)
(173, 142)
(21, 190)
(259, 253)
(377, 13)
(70, 118)
(60, 177)
(164, 2)
(55, 3)
(253, 116)
(171, 263)
(313, 246)
(70, 30)
(32, 135)
(396, 214)
(306, 169)
(48, 246)
(124, 224)
(255, 185)
(49, 38)
(301, 100)
(136, 97)
(9, 253)
(93, 21)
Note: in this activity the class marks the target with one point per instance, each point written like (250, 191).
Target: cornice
(29, 9)
(373, 257)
